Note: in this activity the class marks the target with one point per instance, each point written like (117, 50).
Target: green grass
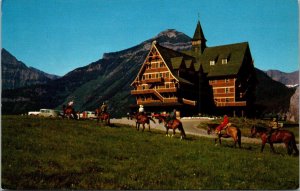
(40, 153)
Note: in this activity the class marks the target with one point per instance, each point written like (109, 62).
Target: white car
(44, 113)
(33, 113)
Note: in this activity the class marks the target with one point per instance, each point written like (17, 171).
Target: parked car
(45, 113)
(87, 115)
(48, 113)
(33, 113)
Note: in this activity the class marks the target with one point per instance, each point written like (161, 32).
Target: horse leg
(143, 127)
(295, 148)
(173, 133)
(167, 131)
(272, 147)
(289, 147)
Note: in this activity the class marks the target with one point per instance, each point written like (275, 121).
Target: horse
(231, 131)
(278, 136)
(176, 124)
(103, 116)
(141, 119)
(69, 112)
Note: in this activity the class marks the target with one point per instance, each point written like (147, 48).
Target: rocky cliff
(288, 79)
(293, 114)
(16, 74)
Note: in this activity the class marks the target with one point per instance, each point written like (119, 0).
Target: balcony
(152, 80)
(232, 104)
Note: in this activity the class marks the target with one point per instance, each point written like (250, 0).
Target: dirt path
(190, 127)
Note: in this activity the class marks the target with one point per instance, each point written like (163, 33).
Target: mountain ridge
(16, 74)
(108, 79)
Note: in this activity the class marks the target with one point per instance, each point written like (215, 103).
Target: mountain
(16, 74)
(289, 79)
(272, 96)
(108, 79)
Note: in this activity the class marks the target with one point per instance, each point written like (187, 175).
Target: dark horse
(141, 119)
(172, 125)
(69, 112)
(103, 116)
(279, 136)
(231, 131)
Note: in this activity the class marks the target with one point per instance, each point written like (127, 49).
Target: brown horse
(141, 119)
(103, 116)
(231, 131)
(69, 112)
(176, 124)
(278, 136)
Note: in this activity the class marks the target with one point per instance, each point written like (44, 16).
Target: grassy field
(42, 153)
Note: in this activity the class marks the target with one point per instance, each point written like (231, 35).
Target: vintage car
(45, 113)
(87, 115)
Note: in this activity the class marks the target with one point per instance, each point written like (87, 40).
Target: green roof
(174, 59)
(234, 53)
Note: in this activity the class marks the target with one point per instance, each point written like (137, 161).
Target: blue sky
(57, 36)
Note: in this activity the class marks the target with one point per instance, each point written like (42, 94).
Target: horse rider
(103, 108)
(170, 119)
(70, 104)
(141, 110)
(273, 127)
(223, 125)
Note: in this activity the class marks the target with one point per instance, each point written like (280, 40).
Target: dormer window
(224, 61)
(212, 62)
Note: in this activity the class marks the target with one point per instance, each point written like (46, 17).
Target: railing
(152, 80)
(189, 102)
(224, 104)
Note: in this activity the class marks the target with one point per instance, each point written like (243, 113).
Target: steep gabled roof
(174, 59)
(198, 35)
(234, 53)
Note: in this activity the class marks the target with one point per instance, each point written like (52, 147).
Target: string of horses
(231, 131)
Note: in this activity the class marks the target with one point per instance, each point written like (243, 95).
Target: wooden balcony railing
(152, 80)
(225, 104)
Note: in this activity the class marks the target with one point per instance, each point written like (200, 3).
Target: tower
(198, 41)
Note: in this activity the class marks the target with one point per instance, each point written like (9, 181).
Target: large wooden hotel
(211, 80)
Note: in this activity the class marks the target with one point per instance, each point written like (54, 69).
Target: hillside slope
(16, 74)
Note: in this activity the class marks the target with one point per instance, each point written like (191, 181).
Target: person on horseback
(70, 104)
(103, 108)
(171, 117)
(223, 125)
(273, 127)
(141, 109)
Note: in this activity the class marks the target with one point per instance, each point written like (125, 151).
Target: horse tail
(239, 136)
(151, 119)
(180, 127)
(292, 144)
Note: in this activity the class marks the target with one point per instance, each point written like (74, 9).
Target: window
(168, 85)
(226, 90)
(167, 74)
(161, 65)
(160, 75)
(156, 75)
(227, 100)
(226, 80)
(212, 62)
(224, 61)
